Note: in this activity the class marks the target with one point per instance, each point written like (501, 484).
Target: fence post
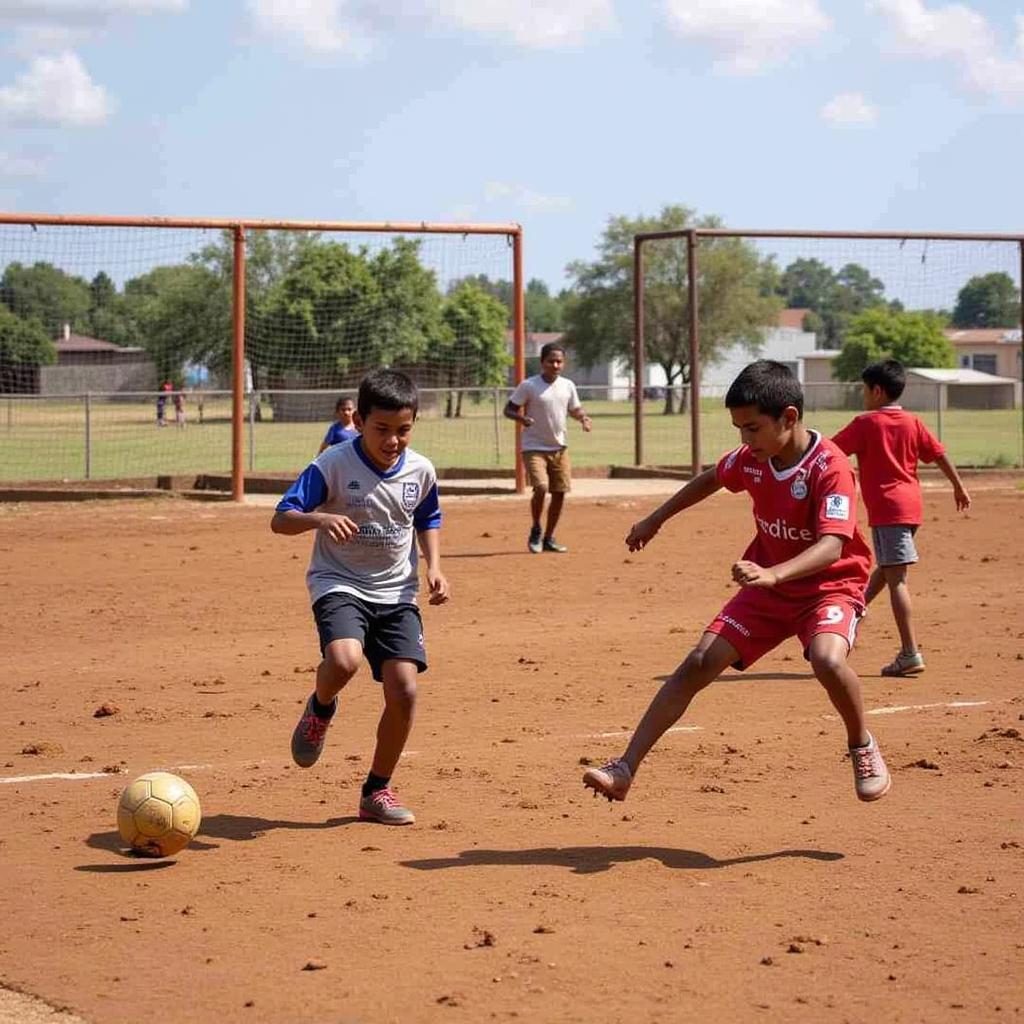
(88, 435)
(252, 430)
(497, 430)
(940, 394)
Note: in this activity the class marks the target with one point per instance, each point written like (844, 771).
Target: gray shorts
(894, 545)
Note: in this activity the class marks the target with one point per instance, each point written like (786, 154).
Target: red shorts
(755, 621)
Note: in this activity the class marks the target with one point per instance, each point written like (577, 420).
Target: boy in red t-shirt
(803, 574)
(888, 442)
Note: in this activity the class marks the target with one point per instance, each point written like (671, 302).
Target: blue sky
(830, 114)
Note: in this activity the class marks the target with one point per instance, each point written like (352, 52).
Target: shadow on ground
(585, 860)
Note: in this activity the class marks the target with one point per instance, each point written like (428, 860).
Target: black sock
(374, 782)
(324, 711)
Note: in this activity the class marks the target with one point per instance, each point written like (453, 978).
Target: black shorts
(384, 630)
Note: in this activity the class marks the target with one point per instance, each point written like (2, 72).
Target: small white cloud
(83, 12)
(527, 198)
(320, 26)
(14, 165)
(541, 24)
(849, 108)
(55, 90)
(748, 35)
(962, 37)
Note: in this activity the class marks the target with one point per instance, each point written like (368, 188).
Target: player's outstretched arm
(292, 522)
(960, 495)
(702, 486)
(515, 412)
(823, 552)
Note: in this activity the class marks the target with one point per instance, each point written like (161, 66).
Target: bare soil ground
(741, 880)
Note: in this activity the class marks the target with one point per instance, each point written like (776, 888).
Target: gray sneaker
(382, 806)
(308, 737)
(550, 544)
(870, 775)
(533, 542)
(904, 665)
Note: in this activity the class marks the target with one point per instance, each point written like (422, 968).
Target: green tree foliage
(46, 294)
(24, 344)
(544, 311)
(732, 309)
(989, 300)
(474, 346)
(915, 339)
(832, 298)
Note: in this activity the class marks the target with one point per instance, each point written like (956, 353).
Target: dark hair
(551, 346)
(888, 375)
(769, 385)
(341, 401)
(389, 390)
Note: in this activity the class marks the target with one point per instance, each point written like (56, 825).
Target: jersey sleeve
(850, 437)
(521, 395)
(835, 497)
(929, 447)
(309, 492)
(328, 436)
(428, 512)
(574, 398)
(729, 472)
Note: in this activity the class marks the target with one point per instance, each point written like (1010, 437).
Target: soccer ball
(158, 814)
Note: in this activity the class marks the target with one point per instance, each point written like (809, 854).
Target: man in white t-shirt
(541, 404)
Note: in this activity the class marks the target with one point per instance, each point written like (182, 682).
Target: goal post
(254, 326)
(792, 295)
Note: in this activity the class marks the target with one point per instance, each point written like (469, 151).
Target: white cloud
(55, 90)
(961, 36)
(13, 165)
(748, 35)
(849, 108)
(526, 198)
(83, 12)
(320, 26)
(541, 24)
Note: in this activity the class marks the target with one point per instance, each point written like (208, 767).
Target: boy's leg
(554, 513)
(559, 483)
(702, 665)
(876, 584)
(340, 663)
(899, 597)
(536, 476)
(378, 803)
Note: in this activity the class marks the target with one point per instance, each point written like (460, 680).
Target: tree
(24, 344)
(989, 300)
(915, 339)
(732, 307)
(47, 294)
(474, 345)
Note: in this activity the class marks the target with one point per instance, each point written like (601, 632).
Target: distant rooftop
(984, 335)
(83, 343)
(959, 376)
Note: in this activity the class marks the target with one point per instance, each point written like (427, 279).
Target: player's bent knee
(827, 664)
(694, 673)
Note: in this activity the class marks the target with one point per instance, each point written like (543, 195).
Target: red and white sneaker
(611, 780)
(382, 806)
(870, 775)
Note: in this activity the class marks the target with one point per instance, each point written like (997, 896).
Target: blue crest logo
(410, 496)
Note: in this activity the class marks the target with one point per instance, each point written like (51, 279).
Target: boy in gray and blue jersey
(366, 499)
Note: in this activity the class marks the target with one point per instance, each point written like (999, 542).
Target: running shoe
(382, 806)
(611, 780)
(904, 665)
(533, 542)
(870, 775)
(308, 737)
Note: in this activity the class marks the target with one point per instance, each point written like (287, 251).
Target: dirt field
(741, 881)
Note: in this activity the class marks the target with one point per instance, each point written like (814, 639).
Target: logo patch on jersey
(353, 485)
(730, 461)
(837, 506)
(799, 487)
(410, 496)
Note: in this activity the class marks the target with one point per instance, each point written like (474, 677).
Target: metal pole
(1020, 246)
(497, 429)
(252, 430)
(88, 435)
(519, 340)
(238, 366)
(691, 278)
(639, 356)
(940, 395)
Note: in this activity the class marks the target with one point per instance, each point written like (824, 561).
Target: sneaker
(383, 807)
(611, 780)
(870, 775)
(550, 544)
(534, 541)
(308, 737)
(904, 665)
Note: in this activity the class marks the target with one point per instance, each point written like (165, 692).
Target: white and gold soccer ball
(158, 814)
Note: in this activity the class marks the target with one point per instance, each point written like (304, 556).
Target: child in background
(343, 428)
(803, 574)
(889, 442)
(179, 409)
(365, 500)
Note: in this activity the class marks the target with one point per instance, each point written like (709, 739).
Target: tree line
(320, 313)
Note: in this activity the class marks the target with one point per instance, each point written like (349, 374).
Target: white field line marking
(896, 709)
(628, 732)
(77, 776)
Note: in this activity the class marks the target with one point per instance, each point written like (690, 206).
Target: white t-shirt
(379, 564)
(548, 405)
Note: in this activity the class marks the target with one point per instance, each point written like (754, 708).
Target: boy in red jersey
(888, 442)
(803, 574)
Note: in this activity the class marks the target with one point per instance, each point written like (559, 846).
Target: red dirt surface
(741, 880)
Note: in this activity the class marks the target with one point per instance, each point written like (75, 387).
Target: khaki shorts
(549, 471)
